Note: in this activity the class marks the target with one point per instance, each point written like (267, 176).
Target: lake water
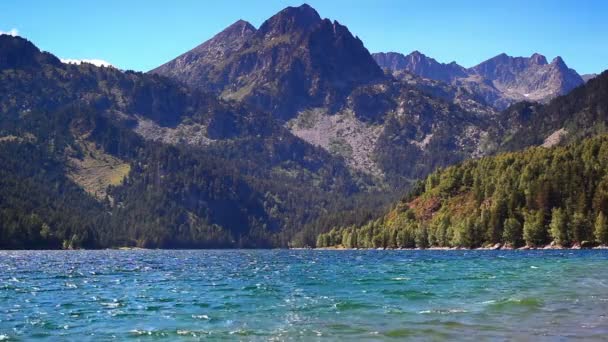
(303, 295)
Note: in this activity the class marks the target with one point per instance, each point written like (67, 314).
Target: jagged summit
(421, 65)
(500, 80)
(239, 27)
(294, 60)
(290, 19)
(558, 61)
(538, 59)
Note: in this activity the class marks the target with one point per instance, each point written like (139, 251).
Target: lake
(303, 295)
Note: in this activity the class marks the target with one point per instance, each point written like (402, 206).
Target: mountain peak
(240, 29)
(558, 61)
(420, 64)
(289, 19)
(240, 25)
(538, 59)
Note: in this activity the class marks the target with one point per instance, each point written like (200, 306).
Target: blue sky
(141, 34)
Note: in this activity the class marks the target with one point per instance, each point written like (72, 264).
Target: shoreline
(525, 248)
(333, 248)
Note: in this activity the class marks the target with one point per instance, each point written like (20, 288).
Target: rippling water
(286, 295)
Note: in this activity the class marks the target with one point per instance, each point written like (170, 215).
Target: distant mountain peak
(538, 59)
(420, 64)
(558, 61)
(291, 19)
(294, 60)
(239, 26)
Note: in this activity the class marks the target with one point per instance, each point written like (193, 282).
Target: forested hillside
(579, 114)
(79, 172)
(530, 198)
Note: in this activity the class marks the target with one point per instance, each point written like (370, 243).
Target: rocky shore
(576, 246)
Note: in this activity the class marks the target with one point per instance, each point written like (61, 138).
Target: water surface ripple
(303, 295)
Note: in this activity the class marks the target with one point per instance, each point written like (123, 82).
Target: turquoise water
(303, 295)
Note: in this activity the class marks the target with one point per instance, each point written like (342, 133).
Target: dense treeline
(171, 198)
(256, 186)
(530, 198)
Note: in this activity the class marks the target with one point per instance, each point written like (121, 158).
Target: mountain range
(258, 137)
(500, 81)
(321, 83)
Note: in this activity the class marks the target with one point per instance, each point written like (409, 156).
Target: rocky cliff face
(320, 81)
(499, 81)
(197, 65)
(294, 61)
(530, 78)
(420, 65)
(587, 77)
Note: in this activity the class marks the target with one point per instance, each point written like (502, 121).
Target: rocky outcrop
(421, 65)
(529, 78)
(587, 77)
(499, 81)
(296, 60)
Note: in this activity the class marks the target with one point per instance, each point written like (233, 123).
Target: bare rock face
(421, 65)
(295, 60)
(587, 77)
(199, 64)
(529, 78)
(320, 82)
(499, 81)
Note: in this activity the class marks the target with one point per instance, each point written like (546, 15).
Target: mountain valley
(258, 137)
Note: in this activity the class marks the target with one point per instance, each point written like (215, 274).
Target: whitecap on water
(187, 333)
(200, 317)
(443, 311)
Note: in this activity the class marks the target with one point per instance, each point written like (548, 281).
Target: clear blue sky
(141, 34)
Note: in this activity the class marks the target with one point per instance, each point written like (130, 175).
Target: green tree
(559, 227)
(512, 233)
(534, 228)
(578, 228)
(601, 228)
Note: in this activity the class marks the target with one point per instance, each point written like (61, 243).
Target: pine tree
(534, 229)
(512, 234)
(601, 228)
(578, 228)
(559, 227)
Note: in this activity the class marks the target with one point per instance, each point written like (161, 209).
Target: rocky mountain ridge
(295, 60)
(320, 81)
(501, 80)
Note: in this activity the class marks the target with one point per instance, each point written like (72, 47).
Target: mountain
(293, 61)
(197, 65)
(587, 77)
(556, 192)
(257, 138)
(530, 78)
(421, 65)
(499, 81)
(320, 81)
(579, 114)
(94, 157)
(540, 197)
